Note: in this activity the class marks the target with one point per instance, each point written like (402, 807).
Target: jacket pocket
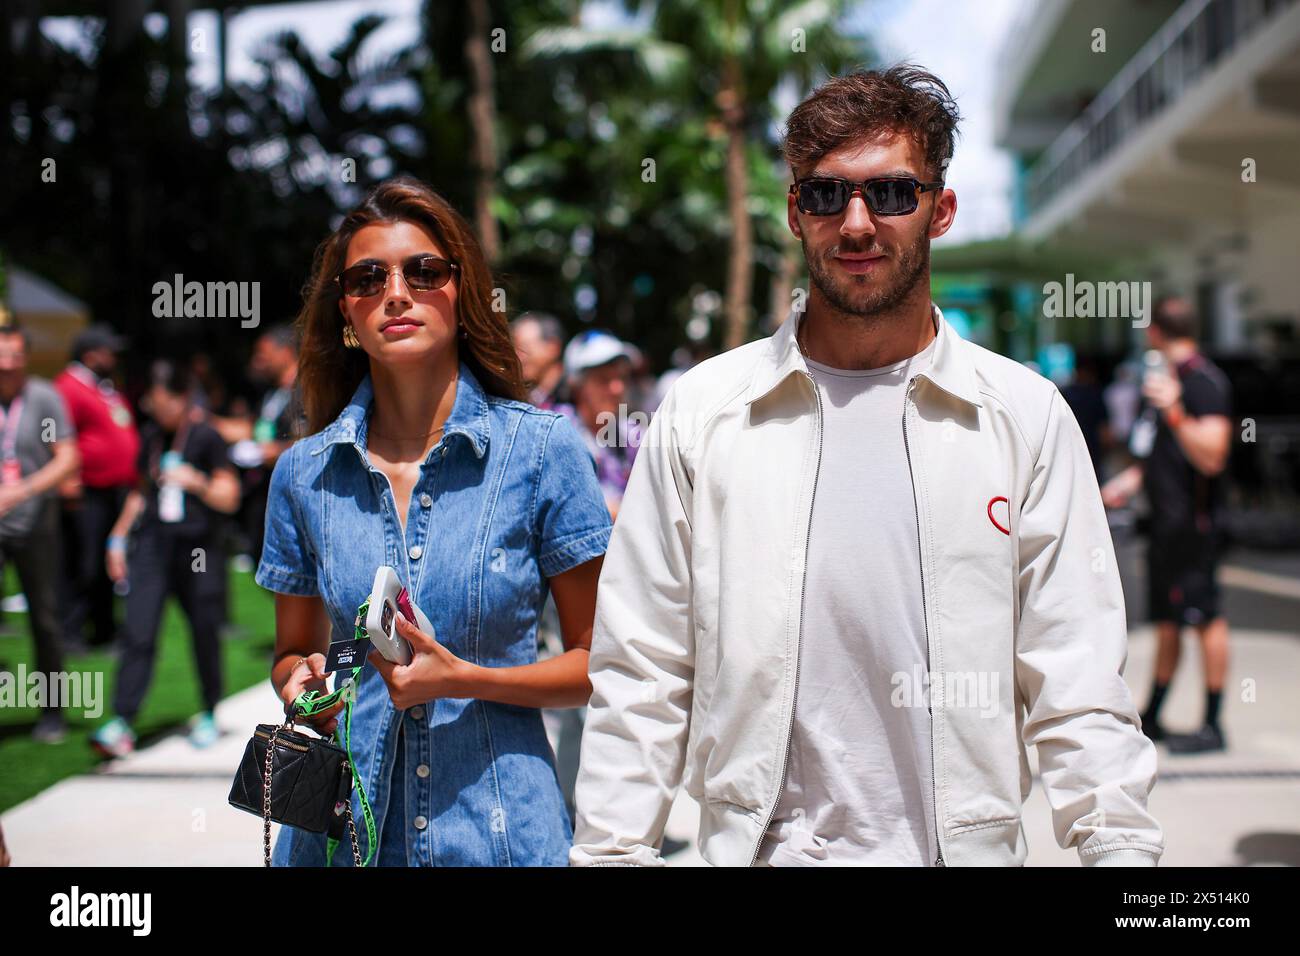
(985, 824)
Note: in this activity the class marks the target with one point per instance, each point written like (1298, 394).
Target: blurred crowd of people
(599, 382)
(95, 504)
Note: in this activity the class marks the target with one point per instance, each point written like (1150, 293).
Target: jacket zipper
(934, 784)
(789, 730)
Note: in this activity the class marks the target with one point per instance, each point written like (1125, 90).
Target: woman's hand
(311, 677)
(11, 496)
(188, 477)
(433, 672)
(115, 563)
(1116, 492)
(115, 556)
(1162, 391)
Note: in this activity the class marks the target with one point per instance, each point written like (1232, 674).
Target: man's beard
(863, 295)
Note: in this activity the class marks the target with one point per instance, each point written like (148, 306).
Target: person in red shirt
(109, 444)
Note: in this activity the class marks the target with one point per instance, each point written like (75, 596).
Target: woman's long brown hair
(329, 372)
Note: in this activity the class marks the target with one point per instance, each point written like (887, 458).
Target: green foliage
(240, 184)
(610, 100)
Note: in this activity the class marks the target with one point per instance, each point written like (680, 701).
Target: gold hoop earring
(350, 339)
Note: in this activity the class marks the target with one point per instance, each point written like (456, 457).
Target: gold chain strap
(266, 791)
(352, 829)
(266, 802)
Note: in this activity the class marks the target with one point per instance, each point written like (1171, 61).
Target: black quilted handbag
(295, 780)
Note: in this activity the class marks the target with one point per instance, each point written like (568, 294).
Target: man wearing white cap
(598, 366)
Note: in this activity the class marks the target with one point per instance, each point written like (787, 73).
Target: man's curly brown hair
(868, 103)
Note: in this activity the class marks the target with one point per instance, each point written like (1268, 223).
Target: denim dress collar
(469, 417)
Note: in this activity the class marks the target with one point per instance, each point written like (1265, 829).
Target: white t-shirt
(858, 786)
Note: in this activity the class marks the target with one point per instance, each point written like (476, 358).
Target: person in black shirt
(1185, 487)
(175, 549)
(281, 420)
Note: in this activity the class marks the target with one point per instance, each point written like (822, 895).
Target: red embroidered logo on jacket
(996, 524)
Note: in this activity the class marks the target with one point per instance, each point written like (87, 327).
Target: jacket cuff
(1120, 856)
(583, 855)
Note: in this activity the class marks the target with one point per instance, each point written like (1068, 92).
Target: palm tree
(304, 117)
(482, 120)
(462, 81)
(738, 53)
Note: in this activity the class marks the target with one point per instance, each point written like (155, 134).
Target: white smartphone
(388, 599)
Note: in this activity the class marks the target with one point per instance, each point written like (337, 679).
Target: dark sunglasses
(422, 274)
(886, 196)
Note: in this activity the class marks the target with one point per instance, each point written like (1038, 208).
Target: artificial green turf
(28, 767)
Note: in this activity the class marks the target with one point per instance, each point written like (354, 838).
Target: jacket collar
(469, 416)
(950, 367)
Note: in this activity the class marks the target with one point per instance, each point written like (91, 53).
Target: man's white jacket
(698, 615)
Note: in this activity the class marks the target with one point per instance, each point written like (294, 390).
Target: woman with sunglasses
(424, 455)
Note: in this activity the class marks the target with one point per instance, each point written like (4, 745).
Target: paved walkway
(166, 805)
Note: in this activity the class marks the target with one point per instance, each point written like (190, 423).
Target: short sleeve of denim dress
(506, 500)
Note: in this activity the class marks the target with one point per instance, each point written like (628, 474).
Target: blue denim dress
(507, 499)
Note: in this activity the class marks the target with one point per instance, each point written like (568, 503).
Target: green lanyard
(312, 702)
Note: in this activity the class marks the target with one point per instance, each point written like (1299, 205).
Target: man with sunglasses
(860, 566)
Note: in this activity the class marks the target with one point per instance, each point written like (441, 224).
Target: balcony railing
(1198, 35)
